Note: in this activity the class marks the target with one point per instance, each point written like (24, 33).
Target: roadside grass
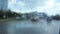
(8, 19)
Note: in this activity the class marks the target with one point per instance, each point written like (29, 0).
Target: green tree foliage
(56, 17)
(1, 13)
(8, 14)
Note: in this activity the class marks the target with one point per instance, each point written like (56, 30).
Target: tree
(1, 14)
(56, 17)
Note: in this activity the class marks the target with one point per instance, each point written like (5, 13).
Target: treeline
(56, 17)
(8, 13)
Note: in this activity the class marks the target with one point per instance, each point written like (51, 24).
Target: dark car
(49, 19)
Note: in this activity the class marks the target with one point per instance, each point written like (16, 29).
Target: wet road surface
(29, 27)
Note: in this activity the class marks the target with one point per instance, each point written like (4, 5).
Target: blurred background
(29, 16)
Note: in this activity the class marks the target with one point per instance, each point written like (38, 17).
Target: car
(49, 20)
(17, 17)
(34, 18)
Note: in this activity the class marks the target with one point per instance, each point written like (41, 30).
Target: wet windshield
(29, 16)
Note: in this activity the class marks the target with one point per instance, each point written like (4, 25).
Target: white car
(35, 18)
(18, 17)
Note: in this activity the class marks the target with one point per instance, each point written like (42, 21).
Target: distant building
(3, 4)
(42, 15)
(37, 14)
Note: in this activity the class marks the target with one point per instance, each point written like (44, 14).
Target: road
(29, 27)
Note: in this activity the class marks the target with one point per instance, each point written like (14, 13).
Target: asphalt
(29, 27)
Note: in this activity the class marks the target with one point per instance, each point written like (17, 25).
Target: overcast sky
(50, 7)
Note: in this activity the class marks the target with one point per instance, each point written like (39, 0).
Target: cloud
(16, 5)
(51, 7)
(20, 3)
(11, 2)
(27, 3)
(57, 1)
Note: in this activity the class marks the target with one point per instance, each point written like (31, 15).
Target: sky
(51, 7)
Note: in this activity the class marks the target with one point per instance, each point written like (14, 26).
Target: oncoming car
(34, 18)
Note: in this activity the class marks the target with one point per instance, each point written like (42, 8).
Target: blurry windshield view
(29, 16)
